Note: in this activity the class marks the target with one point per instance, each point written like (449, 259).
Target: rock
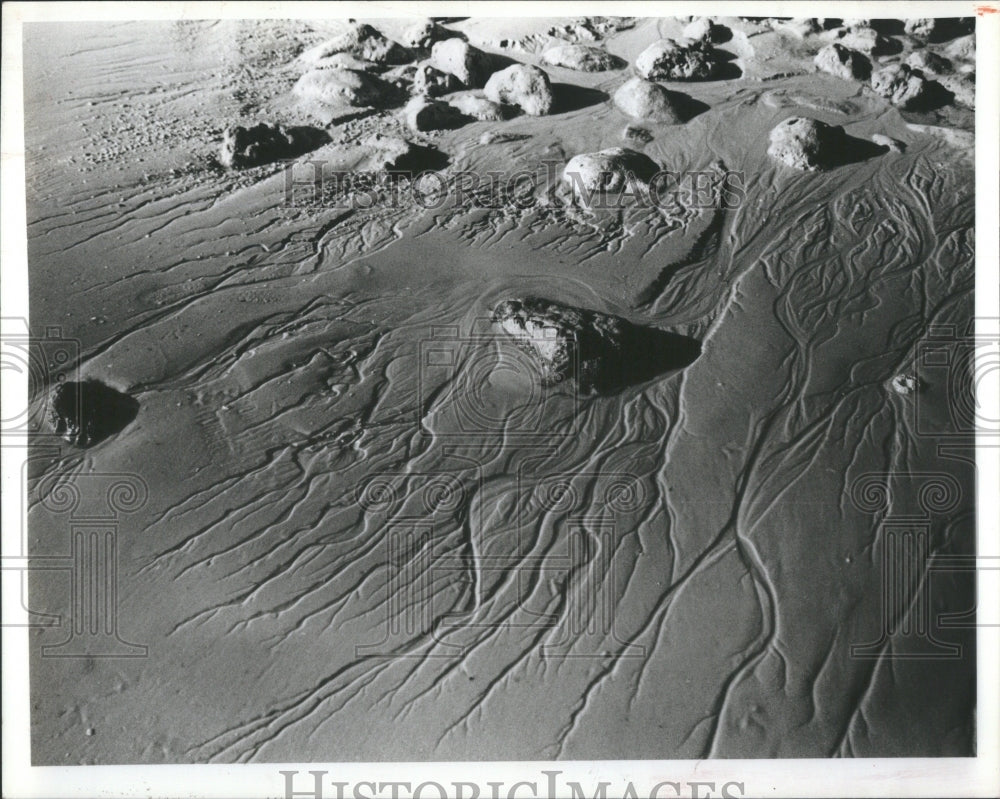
(926, 61)
(422, 35)
(804, 143)
(703, 29)
(636, 134)
(921, 28)
(362, 41)
(262, 144)
(88, 412)
(522, 85)
(499, 137)
(459, 58)
(677, 60)
(342, 87)
(843, 62)
(800, 26)
(962, 87)
(423, 114)
(869, 41)
(891, 144)
(643, 99)
(479, 108)
(601, 351)
(430, 81)
(962, 49)
(894, 145)
(900, 85)
(582, 57)
(905, 384)
(613, 170)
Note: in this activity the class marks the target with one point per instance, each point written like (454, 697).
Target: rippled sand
(369, 535)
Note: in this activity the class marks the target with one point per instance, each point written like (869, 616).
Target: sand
(370, 534)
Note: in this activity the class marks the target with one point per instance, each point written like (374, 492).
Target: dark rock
(88, 412)
(602, 352)
(263, 144)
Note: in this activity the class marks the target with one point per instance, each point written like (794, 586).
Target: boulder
(613, 170)
(961, 86)
(869, 41)
(891, 144)
(422, 35)
(522, 85)
(922, 27)
(704, 29)
(600, 351)
(362, 41)
(467, 63)
(423, 114)
(905, 384)
(643, 99)
(582, 57)
(262, 144)
(342, 87)
(433, 82)
(677, 60)
(843, 62)
(926, 61)
(87, 412)
(479, 108)
(900, 85)
(806, 144)
(800, 26)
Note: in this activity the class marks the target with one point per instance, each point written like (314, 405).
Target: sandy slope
(676, 570)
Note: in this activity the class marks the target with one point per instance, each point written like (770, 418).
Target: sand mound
(900, 85)
(704, 29)
(843, 62)
(467, 63)
(643, 99)
(677, 60)
(582, 57)
(522, 85)
(430, 81)
(262, 144)
(424, 114)
(479, 108)
(342, 87)
(88, 412)
(806, 144)
(611, 170)
(362, 41)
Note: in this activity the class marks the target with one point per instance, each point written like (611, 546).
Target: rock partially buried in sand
(263, 144)
(522, 85)
(843, 62)
(612, 170)
(869, 41)
(582, 57)
(479, 108)
(643, 99)
(905, 385)
(433, 82)
(342, 87)
(806, 144)
(677, 60)
(422, 35)
(704, 29)
(603, 352)
(634, 133)
(900, 85)
(362, 41)
(962, 87)
(926, 61)
(423, 114)
(86, 413)
(459, 58)
(891, 144)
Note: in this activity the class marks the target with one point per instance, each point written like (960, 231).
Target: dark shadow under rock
(88, 412)
(604, 353)
(417, 158)
(264, 144)
(566, 97)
